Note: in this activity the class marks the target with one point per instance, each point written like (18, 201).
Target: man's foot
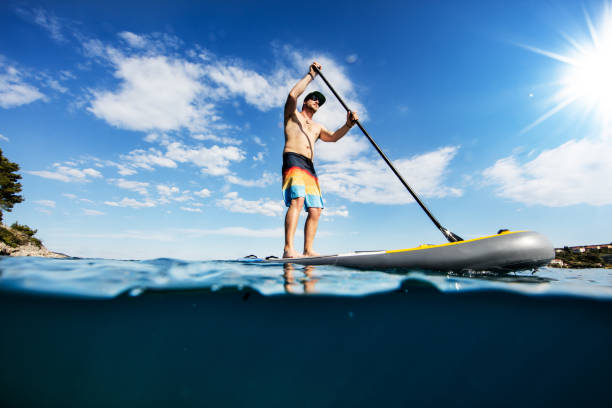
(291, 253)
(311, 253)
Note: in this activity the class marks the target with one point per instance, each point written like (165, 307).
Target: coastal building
(600, 246)
(556, 263)
(583, 248)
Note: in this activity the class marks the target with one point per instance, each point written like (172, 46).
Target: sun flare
(587, 76)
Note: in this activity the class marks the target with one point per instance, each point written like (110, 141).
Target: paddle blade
(451, 237)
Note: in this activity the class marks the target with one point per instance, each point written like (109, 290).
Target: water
(167, 332)
(102, 278)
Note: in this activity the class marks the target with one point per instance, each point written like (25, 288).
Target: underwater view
(97, 332)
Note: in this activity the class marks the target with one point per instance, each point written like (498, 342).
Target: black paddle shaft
(451, 237)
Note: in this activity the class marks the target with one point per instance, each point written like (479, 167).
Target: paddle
(451, 237)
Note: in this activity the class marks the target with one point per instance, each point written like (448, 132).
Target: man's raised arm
(298, 89)
(351, 118)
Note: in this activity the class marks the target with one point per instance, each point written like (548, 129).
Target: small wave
(104, 278)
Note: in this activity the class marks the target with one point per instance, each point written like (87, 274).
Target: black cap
(319, 96)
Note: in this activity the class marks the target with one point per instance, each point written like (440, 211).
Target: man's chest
(304, 126)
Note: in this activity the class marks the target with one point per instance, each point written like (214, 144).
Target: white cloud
(152, 137)
(154, 43)
(13, 90)
(138, 186)
(266, 179)
(48, 81)
(214, 161)
(133, 40)
(167, 191)
(68, 174)
(125, 171)
(218, 139)
(130, 202)
(54, 84)
(46, 203)
(146, 159)
(346, 148)
(45, 19)
(235, 231)
(122, 169)
(92, 212)
(92, 173)
(341, 211)
(65, 75)
(232, 202)
(258, 141)
(183, 198)
(81, 200)
(2, 137)
(351, 59)
(139, 235)
(259, 91)
(162, 138)
(265, 92)
(50, 23)
(371, 181)
(191, 209)
(577, 172)
(204, 193)
(96, 49)
(155, 93)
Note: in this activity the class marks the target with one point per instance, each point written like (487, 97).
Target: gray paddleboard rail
(504, 252)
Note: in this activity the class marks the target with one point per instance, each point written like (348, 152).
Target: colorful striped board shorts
(300, 180)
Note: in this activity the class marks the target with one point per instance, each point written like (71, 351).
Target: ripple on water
(105, 278)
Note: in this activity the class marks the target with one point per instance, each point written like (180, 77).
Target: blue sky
(148, 130)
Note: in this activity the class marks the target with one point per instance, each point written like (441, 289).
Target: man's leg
(291, 221)
(310, 229)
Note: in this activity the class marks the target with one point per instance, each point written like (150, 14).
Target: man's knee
(314, 212)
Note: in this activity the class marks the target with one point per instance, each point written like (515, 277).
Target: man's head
(314, 100)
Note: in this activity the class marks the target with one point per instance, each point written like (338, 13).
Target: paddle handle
(447, 234)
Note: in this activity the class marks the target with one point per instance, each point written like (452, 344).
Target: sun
(587, 74)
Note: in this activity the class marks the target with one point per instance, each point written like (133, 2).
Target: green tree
(9, 185)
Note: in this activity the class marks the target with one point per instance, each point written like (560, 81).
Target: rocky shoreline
(29, 250)
(19, 240)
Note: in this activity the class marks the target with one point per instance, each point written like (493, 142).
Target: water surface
(104, 278)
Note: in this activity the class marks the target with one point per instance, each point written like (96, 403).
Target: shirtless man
(300, 183)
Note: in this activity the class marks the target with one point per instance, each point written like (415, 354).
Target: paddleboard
(504, 252)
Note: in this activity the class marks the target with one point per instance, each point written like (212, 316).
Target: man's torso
(301, 134)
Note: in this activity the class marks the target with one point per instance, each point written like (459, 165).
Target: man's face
(312, 103)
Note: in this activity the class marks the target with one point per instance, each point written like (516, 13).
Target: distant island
(583, 256)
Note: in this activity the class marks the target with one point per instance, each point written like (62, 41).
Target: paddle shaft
(447, 234)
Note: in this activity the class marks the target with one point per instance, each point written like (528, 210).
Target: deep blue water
(102, 278)
(171, 333)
